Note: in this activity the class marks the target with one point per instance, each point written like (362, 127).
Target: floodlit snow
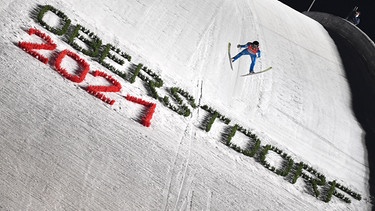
(63, 149)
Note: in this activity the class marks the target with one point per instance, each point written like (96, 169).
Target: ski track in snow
(179, 169)
(204, 45)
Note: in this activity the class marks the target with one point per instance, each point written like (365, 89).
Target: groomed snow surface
(64, 149)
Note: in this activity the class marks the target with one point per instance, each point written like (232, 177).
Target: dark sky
(341, 8)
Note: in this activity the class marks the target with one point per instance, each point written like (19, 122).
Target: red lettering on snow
(31, 47)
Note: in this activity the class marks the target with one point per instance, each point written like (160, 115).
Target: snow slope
(62, 148)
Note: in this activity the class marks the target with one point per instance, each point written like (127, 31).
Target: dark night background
(341, 8)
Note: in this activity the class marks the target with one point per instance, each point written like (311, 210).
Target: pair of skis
(231, 65)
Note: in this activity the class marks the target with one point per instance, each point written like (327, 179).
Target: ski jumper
(250, 50)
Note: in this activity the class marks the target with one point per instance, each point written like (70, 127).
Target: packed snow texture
(64, 149)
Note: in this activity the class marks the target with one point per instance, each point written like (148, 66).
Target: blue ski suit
(252, 51)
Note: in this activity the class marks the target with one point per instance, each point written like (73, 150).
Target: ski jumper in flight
(251, 49)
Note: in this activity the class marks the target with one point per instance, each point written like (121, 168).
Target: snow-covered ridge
(206, 99)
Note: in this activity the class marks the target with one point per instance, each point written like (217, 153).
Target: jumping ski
(230, 57)
(265, 70)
